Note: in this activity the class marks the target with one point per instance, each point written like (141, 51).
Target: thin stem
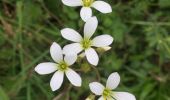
(167, 47)
(53, 15)
(19, 33)
(97, 73)
(150, 23)
(66, 90)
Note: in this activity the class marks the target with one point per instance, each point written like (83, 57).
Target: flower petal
(82, 55)
(73, 48)
(123, 96)
(57, 80)
(92, 56)
(85, 13)
(56, 52)
(70, 59)
(113, 81)
(101, 98)
(102, 40)
(73, 3)
(106, 48)
(96, 88)
(46, 68)
(73, 77)
(71, 35)
(90, 27)
(102, 6)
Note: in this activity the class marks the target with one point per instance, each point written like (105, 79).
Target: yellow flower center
(106, 93)
(87, 3)
(63, 66)
(86, 43)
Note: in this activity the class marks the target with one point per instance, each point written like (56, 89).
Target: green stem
(97, 73)
(19, 31)
(150, 23)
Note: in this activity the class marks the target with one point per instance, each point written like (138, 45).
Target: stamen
(86, 43)
(106, 93)
(87, 3)
(63, 66)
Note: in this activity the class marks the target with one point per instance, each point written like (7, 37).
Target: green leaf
(32, 13)
(164, 3)
(3, 95)
(147, 89)
(53, 6)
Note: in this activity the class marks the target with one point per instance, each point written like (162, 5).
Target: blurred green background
(140, 52)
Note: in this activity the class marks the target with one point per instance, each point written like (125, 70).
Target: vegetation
(140, 52)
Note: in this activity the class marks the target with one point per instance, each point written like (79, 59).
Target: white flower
(86, 11)
(107, 93)
(86, 43)
(60, 68)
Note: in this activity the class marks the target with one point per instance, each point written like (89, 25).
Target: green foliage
(3, 95)
(164, 3)
(140, 52)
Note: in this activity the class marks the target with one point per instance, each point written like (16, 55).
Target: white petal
(92, 56)
(102, 40)
(123, 96)
(46, 68)
(96, 88)
(106, 48)
(101, 98)
(90, 27)
(102, 6)
(73, 3)
(82, 55)
(73, 77)
(70, 59)
(85, 13)
(71, 35)
(73, 48)
(57, 80)
(56, 52)
(113, 81)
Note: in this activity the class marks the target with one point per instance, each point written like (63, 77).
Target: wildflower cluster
(64, 58)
